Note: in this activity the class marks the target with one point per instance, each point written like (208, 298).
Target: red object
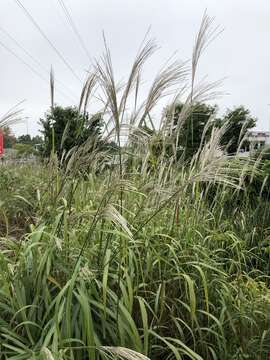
(1, 143)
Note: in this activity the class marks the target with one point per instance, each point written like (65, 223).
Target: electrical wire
(29, 66)
(37, 62)
(74, 28)
(31, 18)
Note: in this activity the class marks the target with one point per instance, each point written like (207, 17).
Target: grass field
(149, 256)
(166, 271)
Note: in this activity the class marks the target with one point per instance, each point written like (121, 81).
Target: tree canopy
(191, 132)
(65, 127)
(239, 121)
(27, 139)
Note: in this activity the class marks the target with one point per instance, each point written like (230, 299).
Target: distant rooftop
(259, 134)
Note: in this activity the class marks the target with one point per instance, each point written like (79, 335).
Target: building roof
(259, 134)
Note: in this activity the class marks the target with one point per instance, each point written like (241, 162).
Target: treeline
(65, 127)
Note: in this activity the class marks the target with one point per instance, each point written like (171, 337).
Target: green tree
(24, 150)
(37, 140)
(191, 132)
(239, 121)
(63, 128)
(24, 139)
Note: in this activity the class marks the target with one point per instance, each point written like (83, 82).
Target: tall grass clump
(136, 255)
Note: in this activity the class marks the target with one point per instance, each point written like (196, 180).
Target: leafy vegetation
(239, 123)
(191, 133)
(64, 128)
(28, 140)
(142, 254)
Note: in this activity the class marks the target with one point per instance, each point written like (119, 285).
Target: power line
(28, 65)
(23, 49)
(74, 28)
(37, 62)
(18, 2)
(22, 61)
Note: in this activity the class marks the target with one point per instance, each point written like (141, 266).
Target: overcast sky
(241, 53)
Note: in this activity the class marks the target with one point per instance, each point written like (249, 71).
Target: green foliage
(10, 140)
(64, 128)
(27, 139)
(259, 186)
(85, 276)
(24, 139)
(239, 121)
(18, 193)
(191, 134)
(123, 260)
(24, 150)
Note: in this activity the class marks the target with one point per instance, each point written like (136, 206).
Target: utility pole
(26, 121)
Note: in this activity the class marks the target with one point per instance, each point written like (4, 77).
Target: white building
(255, 140)
(258, 139)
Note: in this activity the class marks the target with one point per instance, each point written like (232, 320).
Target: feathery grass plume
(205, 36)
(202, 91)
(12, 116)
(169, 260)
(212, 164)
(108, 85)
(124, 353)
(86, 92)
(47, 354)
(104, 70)
(163, 85)
(110, 213)
(242, 136)
(106, 79)
(144, 53)
(87, 89)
